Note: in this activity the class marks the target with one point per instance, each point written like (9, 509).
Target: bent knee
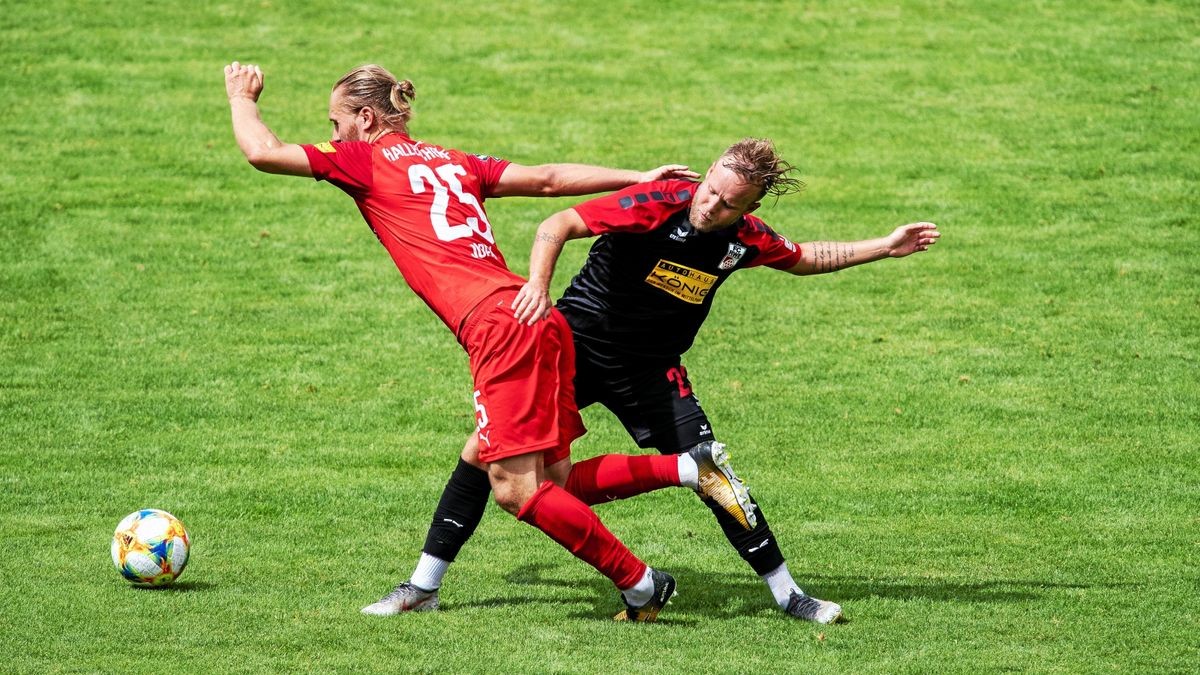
(514, 480)
(511, 496)
(508, 502)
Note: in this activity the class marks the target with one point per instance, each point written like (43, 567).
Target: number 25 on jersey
(443, 181)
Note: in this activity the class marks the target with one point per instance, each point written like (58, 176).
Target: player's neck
(376, 135)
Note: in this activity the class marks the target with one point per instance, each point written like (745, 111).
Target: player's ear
(752, 208)
(366, 117)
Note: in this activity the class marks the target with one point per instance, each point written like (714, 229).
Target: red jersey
(425, 203)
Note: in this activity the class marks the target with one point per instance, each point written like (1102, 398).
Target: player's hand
(911, 238)
(243, 81)
(668, 172)
(532, 303)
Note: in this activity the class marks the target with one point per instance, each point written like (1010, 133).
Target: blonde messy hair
(372, 86)
(755, 161)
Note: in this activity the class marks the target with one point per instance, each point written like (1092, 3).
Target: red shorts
(524, 382)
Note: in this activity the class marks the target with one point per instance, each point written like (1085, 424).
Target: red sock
(608, 477)
(572, 524)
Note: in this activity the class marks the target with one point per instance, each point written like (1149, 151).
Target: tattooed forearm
(548, 237)
(831, 256)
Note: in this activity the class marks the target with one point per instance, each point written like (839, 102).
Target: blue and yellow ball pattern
(150, 547)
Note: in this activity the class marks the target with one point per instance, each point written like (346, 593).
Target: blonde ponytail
(372, 86)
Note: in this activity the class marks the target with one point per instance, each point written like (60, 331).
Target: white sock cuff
(642, 591)
(689, 473)
(780, 581)
(429, 572)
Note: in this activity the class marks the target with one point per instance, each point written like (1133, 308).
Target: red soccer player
(425, 204)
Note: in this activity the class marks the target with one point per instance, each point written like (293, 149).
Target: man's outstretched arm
(562, 180)
(243, 84)
(820, 257)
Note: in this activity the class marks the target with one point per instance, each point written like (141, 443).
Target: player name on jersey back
(426, 152)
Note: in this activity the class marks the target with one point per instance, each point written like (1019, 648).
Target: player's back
(425, 203)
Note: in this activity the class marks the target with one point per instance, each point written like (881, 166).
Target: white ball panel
(179, 554)
(153, 528)
(145, 566)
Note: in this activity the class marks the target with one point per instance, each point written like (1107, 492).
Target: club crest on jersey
(683, 282)
(733, 257)
(325, 147)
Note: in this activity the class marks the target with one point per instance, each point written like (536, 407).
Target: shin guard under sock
(458, 512)
(757, 546)
(609, 477)
(576, 528)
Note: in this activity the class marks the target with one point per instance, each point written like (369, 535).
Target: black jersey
(650, 278)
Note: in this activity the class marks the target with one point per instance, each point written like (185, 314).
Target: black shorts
(655, 402)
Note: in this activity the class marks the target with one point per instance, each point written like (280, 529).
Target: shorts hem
(647, 441)
(525, 450)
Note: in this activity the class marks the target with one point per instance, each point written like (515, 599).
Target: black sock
(458, 512)
(757, 546)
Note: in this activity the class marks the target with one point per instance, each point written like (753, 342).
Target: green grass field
(987, 453)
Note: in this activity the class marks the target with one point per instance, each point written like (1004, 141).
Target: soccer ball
(150, 547)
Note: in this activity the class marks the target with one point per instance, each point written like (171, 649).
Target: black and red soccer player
(425, 204)
(664, 249)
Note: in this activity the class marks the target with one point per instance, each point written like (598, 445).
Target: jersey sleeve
(637, 208)
(344, 164)
(489, 169)
(774, 249)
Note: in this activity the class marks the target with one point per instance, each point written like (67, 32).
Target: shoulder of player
(335, 147)
(481, 156)
(664, 193)
(753, 227)
(342, 152)
(754, 232)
